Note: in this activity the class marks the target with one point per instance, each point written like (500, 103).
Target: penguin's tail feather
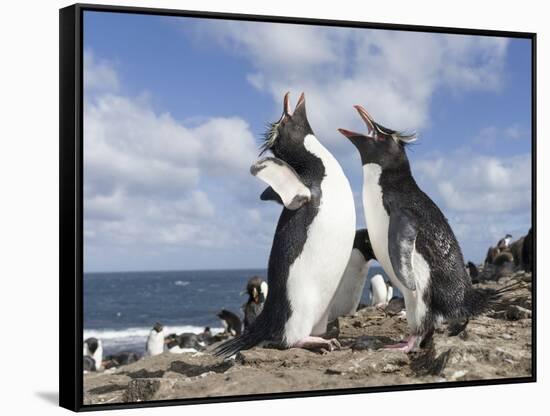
(480, 300)
(256, 334)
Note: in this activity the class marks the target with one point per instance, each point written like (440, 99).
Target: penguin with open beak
(411, 237)
(313, 238)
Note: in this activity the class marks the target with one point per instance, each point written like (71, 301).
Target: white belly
(98, 356)
(155, 343)
(347, 297)
(379, 290)
(378, 222)
(316, 273)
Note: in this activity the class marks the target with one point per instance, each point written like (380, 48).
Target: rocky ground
(495, 345)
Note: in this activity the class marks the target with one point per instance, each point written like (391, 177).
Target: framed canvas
(256, 207)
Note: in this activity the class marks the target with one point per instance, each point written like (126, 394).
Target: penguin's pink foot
(318, 343)
(405, 346)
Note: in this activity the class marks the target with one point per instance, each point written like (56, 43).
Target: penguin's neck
(397, 179)
(314, 146)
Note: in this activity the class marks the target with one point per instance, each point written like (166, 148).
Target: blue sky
(174, 109)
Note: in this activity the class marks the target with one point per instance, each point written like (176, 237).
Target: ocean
(121, 308)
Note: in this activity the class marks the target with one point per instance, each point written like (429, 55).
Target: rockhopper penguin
(351, 286)
(380, 291)
(231, 322)
(313, 239)
(155, 341)
(411, 238)
(256, 289)
(93, 348)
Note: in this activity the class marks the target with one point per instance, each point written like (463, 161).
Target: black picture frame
(71, 202)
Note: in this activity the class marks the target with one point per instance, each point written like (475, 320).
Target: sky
(174, 111)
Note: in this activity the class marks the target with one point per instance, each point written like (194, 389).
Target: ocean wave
(181, 283)
(141, 332)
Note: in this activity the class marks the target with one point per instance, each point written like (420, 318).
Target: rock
(144, 389)
(371, 343)
(494, 345)
(515, 312)
(192, 370)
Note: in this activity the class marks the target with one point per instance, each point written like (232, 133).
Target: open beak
(286, 104)
(366, 117)
(349, 133)
(301, 100)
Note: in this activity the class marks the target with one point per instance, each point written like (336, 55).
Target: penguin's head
(285, 137)
(158, 327)
(253, 289)
(380, 145)
(93, 344)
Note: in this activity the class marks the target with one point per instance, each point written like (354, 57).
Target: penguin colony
(318, 265)
(408, 235)
(158, 341)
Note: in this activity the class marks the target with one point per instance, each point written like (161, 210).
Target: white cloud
(394, 74)
(151, 181)
(481, 184)
(484, 197)
(489, 137)
(99, 74)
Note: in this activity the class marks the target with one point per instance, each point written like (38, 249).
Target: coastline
(495, 345)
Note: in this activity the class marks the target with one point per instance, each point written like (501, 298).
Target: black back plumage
(291, 231)
(232, 321)
(362, 243)
(449, 292)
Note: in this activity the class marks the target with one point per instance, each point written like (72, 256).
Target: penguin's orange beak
(286, 104)
(366, 118)
(349, 133)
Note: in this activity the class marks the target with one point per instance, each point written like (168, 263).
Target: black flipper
(401, 240)
(270, 195)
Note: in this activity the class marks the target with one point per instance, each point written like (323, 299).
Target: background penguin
(121, 358)
(351, 286)
(492, 253)
(313, 238)
(185, 342)
(88, 363)
(155, 341)
(380, 292)
(516, 248)
(411, 238)
(93, 348)
(231, 322)
(504, 243)
(205, 336)
(256, 289)
(473, 271)
(527, 252)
